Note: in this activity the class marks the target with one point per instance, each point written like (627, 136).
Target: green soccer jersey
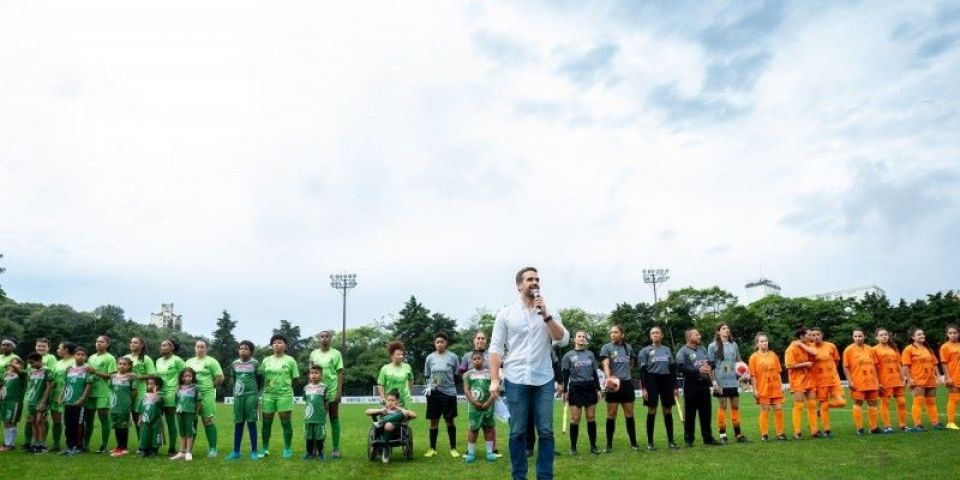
(120, 393)
(168, 369)
(152, 402)
(144, 367)
(102, 363)
(396, 378)
(77, 379)
(331, 362)
(60, 376)
(313, 395)
(478, 382)
(278, 375)
(245, 377)
(37, 384)
(207, 369)
(187, 398)
(5, 360)
(13, 386)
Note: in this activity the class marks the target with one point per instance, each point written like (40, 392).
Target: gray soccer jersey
(690, 360)
(620, 356)
(440, 371)
(657, 360)
(581, 365)
(726, 373)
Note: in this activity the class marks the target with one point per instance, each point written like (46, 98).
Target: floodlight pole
(343, 282)
(654, 276)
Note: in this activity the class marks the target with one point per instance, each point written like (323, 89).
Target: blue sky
(229, 155)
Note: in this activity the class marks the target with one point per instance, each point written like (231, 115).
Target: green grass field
(934, 454)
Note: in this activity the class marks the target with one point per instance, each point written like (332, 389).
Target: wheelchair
(400, 437)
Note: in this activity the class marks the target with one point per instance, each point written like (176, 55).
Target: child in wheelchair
(390, 428)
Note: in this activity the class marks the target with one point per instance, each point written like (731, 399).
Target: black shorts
(733, 392)
(440, 404)
(624, 395)
(582, 394)
(660, 391)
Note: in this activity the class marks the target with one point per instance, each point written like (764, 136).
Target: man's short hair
(687, 332)
(524, 270)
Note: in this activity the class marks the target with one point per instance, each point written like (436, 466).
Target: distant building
(166, 318)
(858, 293)
(762, 287)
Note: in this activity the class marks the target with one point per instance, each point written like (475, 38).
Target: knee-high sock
(722, 420)
(668, 422)
(310, 444)
(88, 417)
(952, 399)
(335, 432)
(735, 416)
(778, 420)
(932, 410)
(631, 430)
(592, 433)
(917, 410)
(574, 433)
(858, 416)
(902, 411)
(28, 433)
(104, 415)
(122, 434)
(211, 431)
(796, 415)
(237, 436)
(267, 426)
(452, 436)
(434, 432)
(287, 427)
(57, 432)
(46, 429)
(885, 411)
(172, 431)
(651, 421)
(764, 422)
(252, 430)
(825, 415)
(611, 426)
(872, 416)
(812, 415)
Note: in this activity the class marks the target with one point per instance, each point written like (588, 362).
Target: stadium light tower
(344, 282)
(653, 276)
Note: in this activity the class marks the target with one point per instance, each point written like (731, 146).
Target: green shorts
(331, 395)
(33, 412)
(170, 397)
(54, 404)
(245, 409)
(187, 424)
(208, 403)
(97, 403)
(315, 431)
(120, 418)
(277, 404)
(10, 411)
(479, 419)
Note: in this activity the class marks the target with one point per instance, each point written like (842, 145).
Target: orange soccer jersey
(888, 366)
(801, 379)
(825, 365)
(863, 372)
(765, 370)
(922, 365)
(950, 355)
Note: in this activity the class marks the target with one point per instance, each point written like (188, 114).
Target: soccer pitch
(932, 454)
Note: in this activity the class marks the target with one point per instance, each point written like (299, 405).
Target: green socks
(287, 432)
(335, 429)
(57, 432)
(172, 430)
(211, 431)
(104, 415)
(267, 426)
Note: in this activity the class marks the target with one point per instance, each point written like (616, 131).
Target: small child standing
(391, 416)
(39, 386)
(247, 383)
(76, 389)
(122, 396)
(151, 418)
(315, 415)
(476, 387)
(188, 407)
(11, 407)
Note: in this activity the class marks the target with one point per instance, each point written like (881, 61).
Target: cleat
(650, 447)
(888, 430)
(764, 437)
(469, 458)
(188, 457)
(287, 453)
(782, 437)
(876, 431)
(952, 426)
(336, 454)
(938, 426)
(178, 456)
(454, 453)
(213, 453)
(573, 452)
(742, 438)
(430, 453)
(673, 446)
(254, 455)
(497, 453)
(321, 456)
(234, 456)
(595, 450)
(491, 457)
(860, 432)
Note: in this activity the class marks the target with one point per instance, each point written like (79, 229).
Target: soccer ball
(742, 369)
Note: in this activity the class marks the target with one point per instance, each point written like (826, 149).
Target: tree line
(415, 325)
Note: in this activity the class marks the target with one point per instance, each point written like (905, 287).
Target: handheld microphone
(536, 295)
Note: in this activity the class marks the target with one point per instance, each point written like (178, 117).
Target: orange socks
(778, 419)
(916, 410)
(797, 416)
(885, 411)
(932, 410)
(825, 415)
(902, 411)
(952, 399)
(812, 415)
(764, 422)
(872, 415)
(857, 416)
(722, 420)
(735, 415)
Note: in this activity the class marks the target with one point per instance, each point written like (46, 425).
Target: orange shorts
(892, 392)
(769, 400)
(829, 393)
(864, 394)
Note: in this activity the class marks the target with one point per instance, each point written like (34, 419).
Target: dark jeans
(697, 402)
(521, 400)
(73, 425)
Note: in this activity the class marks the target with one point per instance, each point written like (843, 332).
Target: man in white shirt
(527, 331)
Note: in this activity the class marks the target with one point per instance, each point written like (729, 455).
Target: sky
(232, 155)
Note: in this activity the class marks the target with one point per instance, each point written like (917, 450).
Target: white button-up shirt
(521, 334)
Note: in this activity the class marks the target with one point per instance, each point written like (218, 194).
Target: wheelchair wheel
(408, 444)
(372, 451)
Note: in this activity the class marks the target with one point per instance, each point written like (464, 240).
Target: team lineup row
(176, 395)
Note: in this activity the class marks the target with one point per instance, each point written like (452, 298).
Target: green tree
(415, 327)
(295, 344)
(365, 353)
(224, 349)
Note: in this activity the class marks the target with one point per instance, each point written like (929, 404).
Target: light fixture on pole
(654, 276)
(344, 282)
